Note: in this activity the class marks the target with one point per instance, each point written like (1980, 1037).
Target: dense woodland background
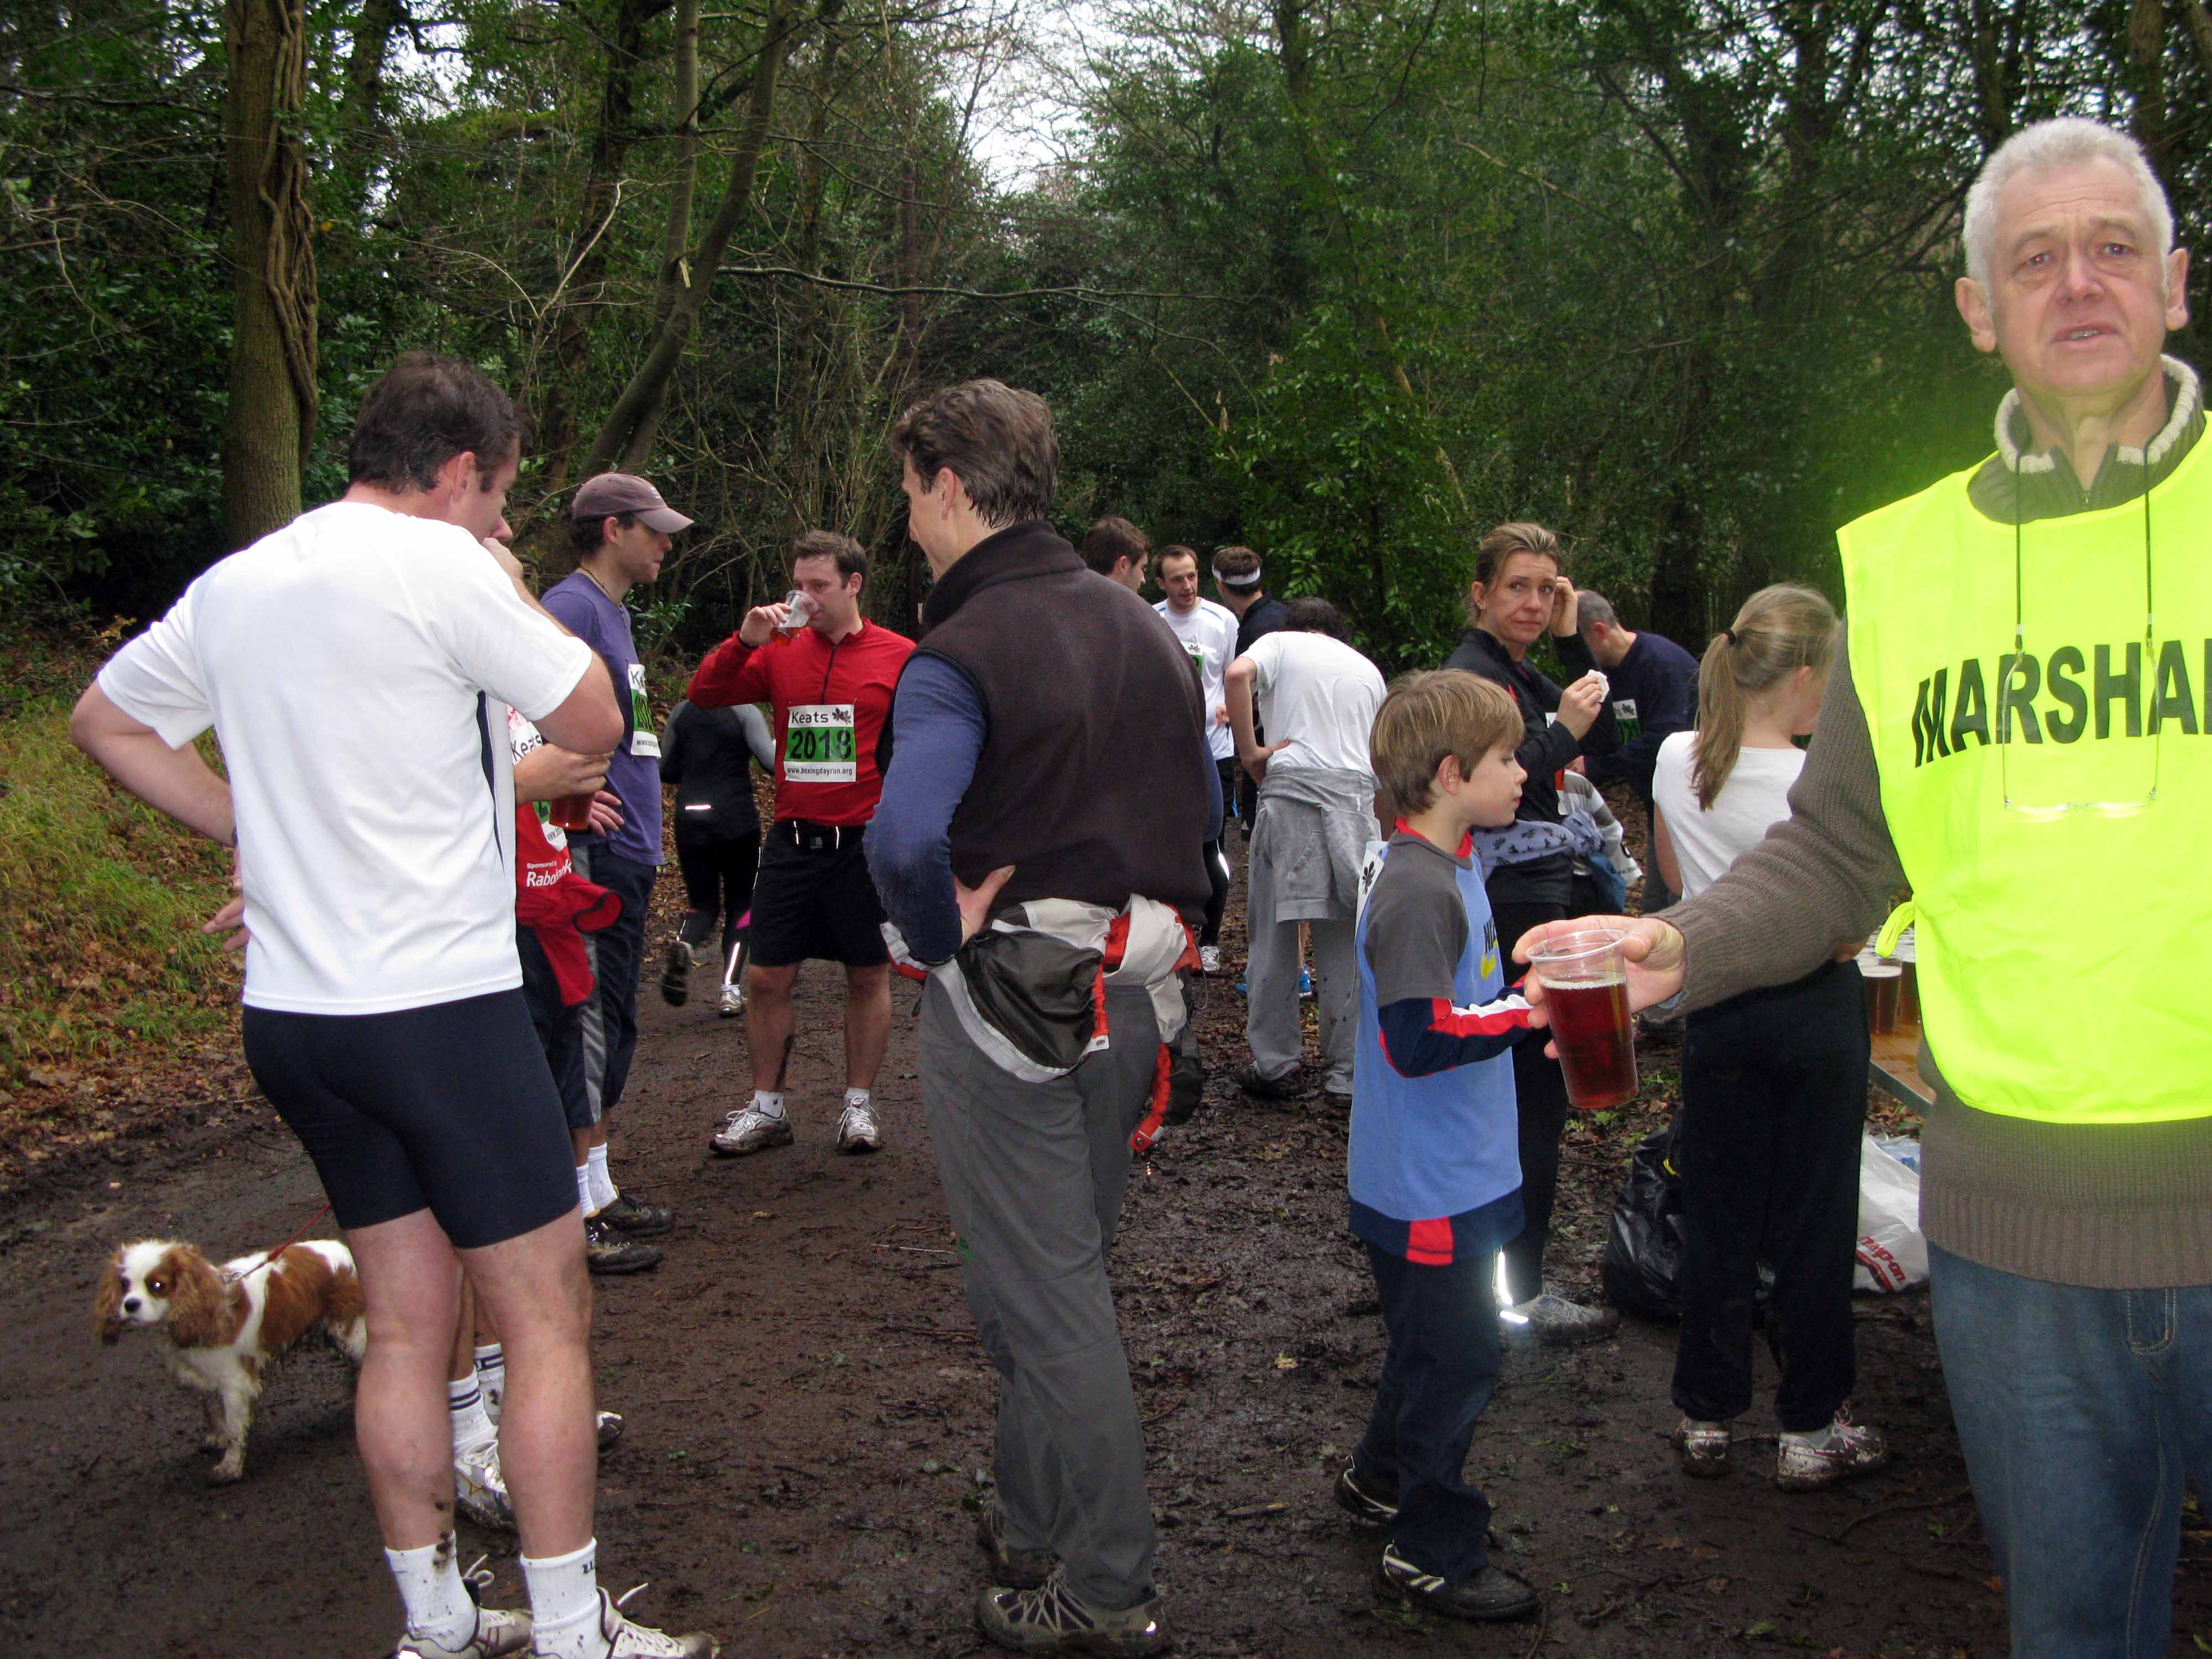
(1348, 280)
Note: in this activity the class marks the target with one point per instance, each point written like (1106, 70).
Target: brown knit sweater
(2123, 1207)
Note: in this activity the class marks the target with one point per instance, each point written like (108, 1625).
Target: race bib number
(819, 745)
(641, 738)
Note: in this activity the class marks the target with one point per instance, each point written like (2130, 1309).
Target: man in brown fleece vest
(2070, 1233)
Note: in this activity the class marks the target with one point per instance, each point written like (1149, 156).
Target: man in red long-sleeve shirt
(828, 678)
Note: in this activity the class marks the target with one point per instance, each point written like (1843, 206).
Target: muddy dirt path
(809, 1416)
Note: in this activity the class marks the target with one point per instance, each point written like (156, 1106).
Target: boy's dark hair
(587, 536)
(1111, 540)
(997, 440)
(1313, 615)
(423, 411)
(852, 559)
(1428, 715)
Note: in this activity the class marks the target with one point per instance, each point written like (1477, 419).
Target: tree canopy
(1344, 280)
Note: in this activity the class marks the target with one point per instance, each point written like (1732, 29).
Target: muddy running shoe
(1293, 1085)
(638, 1221)
(627, 1640)
(1364, 1503)
(609, 1429)
(480, 1489)
(733, 1001)
(499, 1631)
(1049, 1619)
(609, 1249)
(1209, 958)
(1488, 1596)
(857, 1131)
(1305, 985)
(1703, 1447)
(1807, 1463)
(675, 975)
(1551, 1318)
(751, 1130)
(1021, 1568)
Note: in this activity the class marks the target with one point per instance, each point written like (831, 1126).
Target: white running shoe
(1209, 958)
(733, 1001)
(499, 1631)
(857, 1131)
(1806, 1462)
(480, 1488)
(628, 1641)
(749, 1129)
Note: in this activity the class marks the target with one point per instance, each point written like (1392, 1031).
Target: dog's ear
(199, 1307)
(108, 1301)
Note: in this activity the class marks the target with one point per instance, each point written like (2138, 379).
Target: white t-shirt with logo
(1208, 632)
(1318, 696)
(1755, 798)
(353, 665)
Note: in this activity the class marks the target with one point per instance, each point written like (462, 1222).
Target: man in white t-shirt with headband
(1309, 833)
(1207, 632)
(356, 667)
(828, 674)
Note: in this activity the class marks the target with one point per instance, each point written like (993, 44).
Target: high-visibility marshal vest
(2064, 939)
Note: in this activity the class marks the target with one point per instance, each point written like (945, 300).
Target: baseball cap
(625, 492)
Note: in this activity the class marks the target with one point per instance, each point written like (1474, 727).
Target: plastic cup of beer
(1885, 984)
(800, 609)
(571, 813)
(1908, 1003)
(1585, 981)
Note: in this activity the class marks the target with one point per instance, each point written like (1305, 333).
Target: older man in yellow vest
(2022, 736)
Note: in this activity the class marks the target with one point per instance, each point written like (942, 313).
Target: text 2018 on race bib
(819, 745)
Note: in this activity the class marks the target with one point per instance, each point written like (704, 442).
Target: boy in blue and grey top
(1435, 1170)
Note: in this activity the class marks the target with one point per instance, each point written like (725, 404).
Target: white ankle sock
(603, 1184)
(584, 1200)
(491, 1377)
(856, 1097)
(769, 1101)
(564, 1603)
(472, 1423)
(430, 1587)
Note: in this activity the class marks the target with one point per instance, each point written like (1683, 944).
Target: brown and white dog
(226, 1325)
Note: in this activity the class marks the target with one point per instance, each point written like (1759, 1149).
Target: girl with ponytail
(1774, 1082)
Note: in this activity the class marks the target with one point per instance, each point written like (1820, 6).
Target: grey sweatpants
(1033, 1174)
(1271, 1002)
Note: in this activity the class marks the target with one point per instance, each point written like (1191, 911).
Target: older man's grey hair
(1590, 609)
(2067, 141)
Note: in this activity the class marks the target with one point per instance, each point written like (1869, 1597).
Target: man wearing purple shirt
(622, 531)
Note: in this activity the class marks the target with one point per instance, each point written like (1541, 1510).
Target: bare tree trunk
(270, 414)
(675, 274)
(363, 129)
(2146, 62)
(586, 263)
(630, 426)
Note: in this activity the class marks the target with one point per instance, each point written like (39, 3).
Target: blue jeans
(2084, 1414)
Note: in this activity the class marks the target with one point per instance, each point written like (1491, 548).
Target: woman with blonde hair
(1774, 1082)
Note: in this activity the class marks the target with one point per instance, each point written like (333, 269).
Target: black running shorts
(449, 1108)
(813, 900)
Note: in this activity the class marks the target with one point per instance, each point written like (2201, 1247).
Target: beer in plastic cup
(1908, 997)
(1884, 979)
(571, 813)
(801, 610)
(1585, 981)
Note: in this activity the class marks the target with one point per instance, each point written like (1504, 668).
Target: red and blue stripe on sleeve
(1422, 1036)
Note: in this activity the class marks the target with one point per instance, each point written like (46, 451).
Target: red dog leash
(269, 1256)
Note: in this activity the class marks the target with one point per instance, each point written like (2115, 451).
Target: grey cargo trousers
(1034, 1174)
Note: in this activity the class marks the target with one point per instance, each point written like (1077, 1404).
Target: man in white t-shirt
(1317, 697)
(356, 666)
(1208, 632)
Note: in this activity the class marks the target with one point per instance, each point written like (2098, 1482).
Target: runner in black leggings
(708, 754)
